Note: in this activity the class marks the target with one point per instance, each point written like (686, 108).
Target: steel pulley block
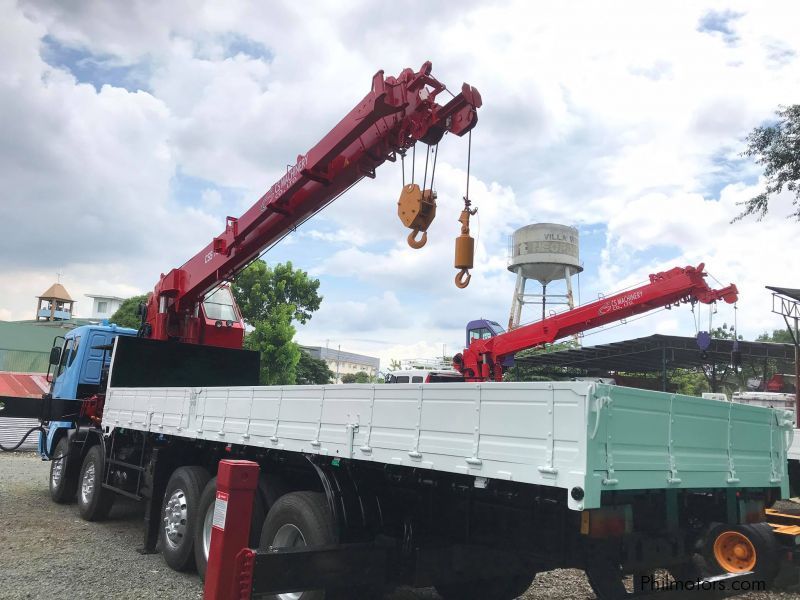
(416, 209)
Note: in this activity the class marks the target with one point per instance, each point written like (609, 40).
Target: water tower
(544, 252)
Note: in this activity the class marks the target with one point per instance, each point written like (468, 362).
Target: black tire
(180, 515)
(498, 588)
(764, 541)
(63, 474)
(205, 514)
(94, 502)
(309, 515)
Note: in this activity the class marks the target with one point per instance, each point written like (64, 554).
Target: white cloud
(594, 114)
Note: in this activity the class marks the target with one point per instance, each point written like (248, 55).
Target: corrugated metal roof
(792, 293)
(26, 385)
(23, 385)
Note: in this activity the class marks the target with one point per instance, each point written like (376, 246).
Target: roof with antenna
(56, 292)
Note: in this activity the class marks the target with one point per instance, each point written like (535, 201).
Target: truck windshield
(219, 305)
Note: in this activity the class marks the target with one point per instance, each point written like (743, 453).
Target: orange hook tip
(462, 278)
(417, 243)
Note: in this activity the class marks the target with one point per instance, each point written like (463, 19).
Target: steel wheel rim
(87, 483)
(734, 552)
(289, 536)
(175, 518)
(208, 523)
(56, 472)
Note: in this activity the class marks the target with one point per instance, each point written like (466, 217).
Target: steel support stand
(237, 481)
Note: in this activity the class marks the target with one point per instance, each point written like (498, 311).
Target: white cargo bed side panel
(515, 425)
(395, 415)
(345, 419)
(264, 414)
(526, 432)
(448, 420)
(300, 411)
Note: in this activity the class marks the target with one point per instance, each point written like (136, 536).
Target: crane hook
(465, 248)
(462, 278)
(416, 209)
(414, 243)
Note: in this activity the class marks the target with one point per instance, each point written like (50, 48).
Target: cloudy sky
(130, 130)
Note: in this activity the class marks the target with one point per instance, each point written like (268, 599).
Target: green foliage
(127, 314)
(259, 288)
(776, 147)
(532, 372)
(725, 333)
(778, 336)
(360, 377)
(689, 381)
(394, 364)
(272, 337)
(270, 300)
(312, 370)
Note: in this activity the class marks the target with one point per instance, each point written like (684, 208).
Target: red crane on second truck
(483, 359)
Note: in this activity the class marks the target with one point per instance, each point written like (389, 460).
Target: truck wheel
(63, 479)
(202, 533)
(499, 588)
(296, 520)
(742, 548)
(94, 502)
(180, 516)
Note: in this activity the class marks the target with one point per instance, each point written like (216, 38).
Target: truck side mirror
(55, 355)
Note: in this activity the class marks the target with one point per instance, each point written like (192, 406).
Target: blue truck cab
(77, 360)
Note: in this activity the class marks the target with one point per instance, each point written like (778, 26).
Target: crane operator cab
(484, 329)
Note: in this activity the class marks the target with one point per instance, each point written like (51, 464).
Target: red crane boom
(391, 118)
(483, 359)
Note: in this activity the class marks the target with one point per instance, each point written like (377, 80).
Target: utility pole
(786, 302)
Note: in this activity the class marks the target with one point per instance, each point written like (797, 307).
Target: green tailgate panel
(640, 439)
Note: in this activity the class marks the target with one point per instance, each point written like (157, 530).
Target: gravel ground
(47, 551)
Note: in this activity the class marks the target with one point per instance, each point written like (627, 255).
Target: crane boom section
(392, 117)
(484, 356)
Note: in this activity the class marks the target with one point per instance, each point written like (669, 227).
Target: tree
(259, 288)
(312, 370)
(691, 382)
(725, 333)
(360, 377)
(777, 148)
(127, 314)
(533, 372)
(271, 299)
(778, 336)
(395, 365)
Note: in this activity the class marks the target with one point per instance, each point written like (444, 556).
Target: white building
(104, 306)
(344, 363)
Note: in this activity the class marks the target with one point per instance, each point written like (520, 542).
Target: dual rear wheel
(294, 520)
(68, 480)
